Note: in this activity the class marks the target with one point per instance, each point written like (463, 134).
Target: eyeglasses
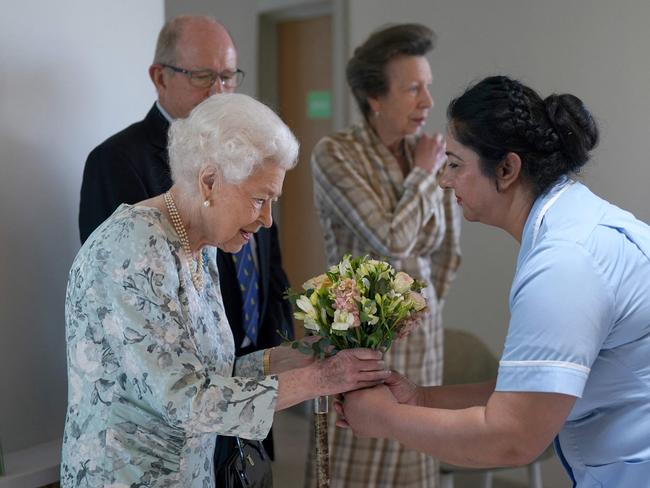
(205, 78)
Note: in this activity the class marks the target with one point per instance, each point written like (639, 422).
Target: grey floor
(291, 434)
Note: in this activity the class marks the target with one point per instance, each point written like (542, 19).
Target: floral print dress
(152, 377)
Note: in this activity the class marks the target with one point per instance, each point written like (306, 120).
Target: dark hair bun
(575, 126)
(498, 115)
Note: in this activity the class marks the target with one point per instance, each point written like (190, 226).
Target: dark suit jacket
(132, 166)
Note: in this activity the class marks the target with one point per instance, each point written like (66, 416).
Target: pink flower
(347, 298)
(346, 295)
(408, 325)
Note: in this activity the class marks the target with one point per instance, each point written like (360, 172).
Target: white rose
(316, 282)
(419, 301)
(402, 282)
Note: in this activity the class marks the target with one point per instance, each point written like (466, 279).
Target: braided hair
(499, 115)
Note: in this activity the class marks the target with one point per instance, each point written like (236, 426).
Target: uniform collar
(543, 203)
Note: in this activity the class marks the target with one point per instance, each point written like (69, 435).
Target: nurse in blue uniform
(576, 363)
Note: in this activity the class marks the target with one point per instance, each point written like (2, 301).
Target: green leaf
(382, 287)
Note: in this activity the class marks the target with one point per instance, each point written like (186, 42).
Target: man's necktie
(249, 287)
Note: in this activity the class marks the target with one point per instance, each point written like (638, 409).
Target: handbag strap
(240, 448)
(242, 458)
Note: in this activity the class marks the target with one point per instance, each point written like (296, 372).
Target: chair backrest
(467, 359)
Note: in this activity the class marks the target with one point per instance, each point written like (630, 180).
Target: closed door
(304, 89)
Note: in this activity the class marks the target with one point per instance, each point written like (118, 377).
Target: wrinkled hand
(284, 357)
(350, 369)
(403, 389)
(360, 411)
(430, 153)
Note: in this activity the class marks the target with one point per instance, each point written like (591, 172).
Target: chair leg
(487, 479)
(535, 475)
(446, 480)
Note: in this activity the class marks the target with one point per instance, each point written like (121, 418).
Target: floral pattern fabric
(152, 377)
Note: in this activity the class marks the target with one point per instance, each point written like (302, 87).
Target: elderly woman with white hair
(151, 359)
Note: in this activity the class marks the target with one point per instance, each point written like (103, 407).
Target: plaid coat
(367, 206)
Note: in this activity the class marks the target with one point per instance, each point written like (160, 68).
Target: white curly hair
(233, 133)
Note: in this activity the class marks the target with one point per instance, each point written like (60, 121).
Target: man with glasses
(195, 58)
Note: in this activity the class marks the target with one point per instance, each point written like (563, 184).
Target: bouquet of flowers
(360, 302)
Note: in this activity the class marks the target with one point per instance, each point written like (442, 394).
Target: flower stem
(322, 445)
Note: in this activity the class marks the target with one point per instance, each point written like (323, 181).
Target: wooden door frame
(272, 12)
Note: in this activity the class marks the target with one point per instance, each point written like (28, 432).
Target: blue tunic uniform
(580, 325)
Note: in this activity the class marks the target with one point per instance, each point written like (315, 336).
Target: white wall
(72, 73)
(596, 49)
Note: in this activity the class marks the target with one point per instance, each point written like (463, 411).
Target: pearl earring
(206, 204)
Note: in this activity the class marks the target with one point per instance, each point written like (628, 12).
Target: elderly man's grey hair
(233, 133)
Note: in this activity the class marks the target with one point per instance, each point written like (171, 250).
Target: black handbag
(247, 464)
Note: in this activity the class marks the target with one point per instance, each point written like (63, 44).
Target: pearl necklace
(197, 275)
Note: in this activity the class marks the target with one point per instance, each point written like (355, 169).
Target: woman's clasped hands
(363, 410)
(430, 153)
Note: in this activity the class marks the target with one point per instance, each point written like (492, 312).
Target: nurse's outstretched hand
(403, 389)
(366, 411)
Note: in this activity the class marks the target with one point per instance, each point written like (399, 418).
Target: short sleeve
(561, 312)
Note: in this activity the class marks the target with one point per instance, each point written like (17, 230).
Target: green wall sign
(319, 104)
